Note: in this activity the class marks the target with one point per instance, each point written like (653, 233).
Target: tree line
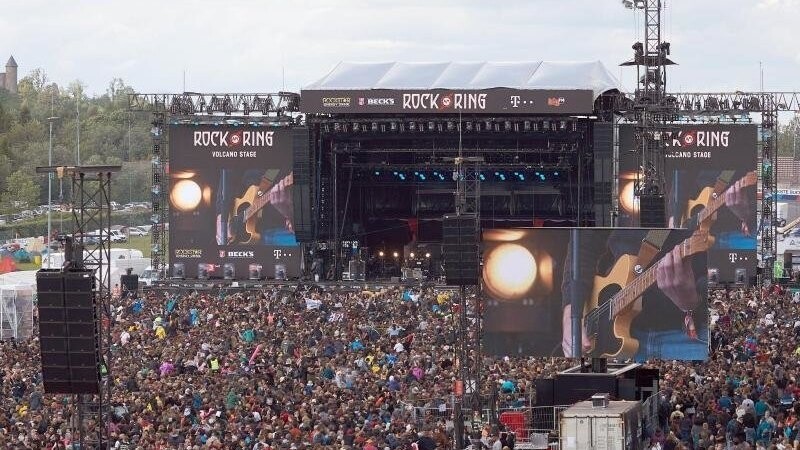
(87, 129)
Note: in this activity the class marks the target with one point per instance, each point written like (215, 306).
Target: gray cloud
(242, 45)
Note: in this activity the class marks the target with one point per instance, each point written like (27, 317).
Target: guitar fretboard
(637, 287)
(266, 198)
(719, 201)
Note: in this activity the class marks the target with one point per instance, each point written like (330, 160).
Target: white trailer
(615, 426)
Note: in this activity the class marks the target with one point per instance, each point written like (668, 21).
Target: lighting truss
(228, 104)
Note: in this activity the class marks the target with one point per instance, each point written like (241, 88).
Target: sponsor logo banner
(442, 101)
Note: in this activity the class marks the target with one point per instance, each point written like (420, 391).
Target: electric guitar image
(617, 300)
(707, 198)
(245, 211)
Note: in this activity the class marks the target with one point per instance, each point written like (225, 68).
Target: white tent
(17, 291)
(532, 75)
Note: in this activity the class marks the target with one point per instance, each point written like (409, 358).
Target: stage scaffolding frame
(91, 233)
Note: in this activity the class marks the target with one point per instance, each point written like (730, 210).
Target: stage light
(510, 270)
(488, 125)
(469, 126)
(555, 173)
(627, 197)
(427, 255)
(337, 127)
(526, 125)
(411, 255)
(545, 125)
(451, 126)
(374, 126)
(178, 270)
(254, 271)
(395, 254)
(431, 125)
(202, 271)
(482, 177)
(356, 127)
(412, 126)
(186, 195)
(229, 271)
(507, 125)
(394, 126)
(377, 173)
(381, 254)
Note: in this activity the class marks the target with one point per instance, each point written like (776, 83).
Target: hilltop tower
(10, 81)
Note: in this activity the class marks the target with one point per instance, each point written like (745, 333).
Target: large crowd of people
(296, 367)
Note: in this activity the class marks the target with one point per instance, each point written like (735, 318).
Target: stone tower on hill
(8, 80)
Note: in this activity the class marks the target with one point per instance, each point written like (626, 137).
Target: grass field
(141, 243)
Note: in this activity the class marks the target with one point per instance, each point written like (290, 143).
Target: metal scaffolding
(91, 231)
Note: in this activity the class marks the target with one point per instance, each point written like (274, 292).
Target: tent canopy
(534, 75)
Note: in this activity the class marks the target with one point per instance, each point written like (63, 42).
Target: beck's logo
(237, 254)
(233, 138)
(380, 102)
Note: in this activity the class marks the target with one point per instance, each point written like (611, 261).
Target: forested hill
(109, 134)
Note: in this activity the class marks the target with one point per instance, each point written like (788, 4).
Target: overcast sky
(252, 46)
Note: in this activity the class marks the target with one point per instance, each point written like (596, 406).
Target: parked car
(136, 231)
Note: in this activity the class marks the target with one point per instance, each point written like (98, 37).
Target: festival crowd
(301, 367)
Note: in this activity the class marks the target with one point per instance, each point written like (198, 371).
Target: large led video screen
(640, 293)
(231, 201)
(709, 168)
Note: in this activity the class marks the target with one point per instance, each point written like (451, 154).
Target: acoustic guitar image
(617, 300)
(247, 208)
(706, 198)
(617, 297)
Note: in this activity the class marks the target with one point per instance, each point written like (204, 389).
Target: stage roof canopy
(534, 75)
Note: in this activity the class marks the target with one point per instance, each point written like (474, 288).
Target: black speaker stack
(130, 282)
(652, 211)
(461, 249)
(68, 332)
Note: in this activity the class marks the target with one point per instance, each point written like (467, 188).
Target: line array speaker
(68, 332)
(460, 249)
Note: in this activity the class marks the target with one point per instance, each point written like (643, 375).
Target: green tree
(21, 192)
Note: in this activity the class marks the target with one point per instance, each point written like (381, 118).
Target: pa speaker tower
(460, 249)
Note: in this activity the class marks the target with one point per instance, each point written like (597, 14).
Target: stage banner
(445, 101)
(640, 293)
(710, 184)
(231, 201)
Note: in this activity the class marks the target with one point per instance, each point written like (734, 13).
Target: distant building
(8, 80)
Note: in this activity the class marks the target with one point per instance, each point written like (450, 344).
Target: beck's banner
(639, 293)
(445, 101)
(710, 168)
(230, 196)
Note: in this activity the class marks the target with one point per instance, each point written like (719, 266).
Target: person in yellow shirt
(160, 332)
